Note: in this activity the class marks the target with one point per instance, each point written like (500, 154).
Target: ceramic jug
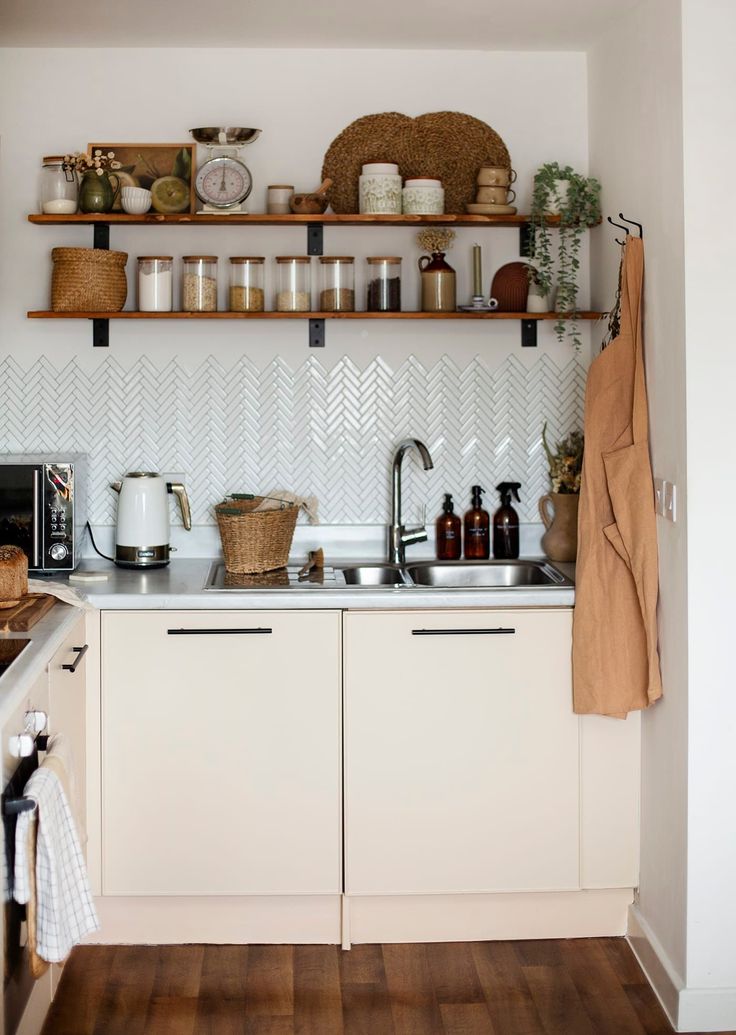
(560, 541)
(96, 192)
(438, 284)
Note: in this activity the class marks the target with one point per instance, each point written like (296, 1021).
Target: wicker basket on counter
(255, 541)
(88, 280)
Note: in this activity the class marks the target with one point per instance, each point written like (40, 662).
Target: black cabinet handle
(219, 632)
(80, 652)
(463, 632)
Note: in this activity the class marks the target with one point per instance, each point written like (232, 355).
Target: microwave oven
(42, 509)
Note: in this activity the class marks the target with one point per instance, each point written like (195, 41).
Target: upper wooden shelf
(264, 219)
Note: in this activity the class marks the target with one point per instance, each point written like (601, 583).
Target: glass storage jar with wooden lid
(59, 187)
(199, 284)
(293, 289)
(155, 283)
(246, 283)
(384, 283)
(337, 283)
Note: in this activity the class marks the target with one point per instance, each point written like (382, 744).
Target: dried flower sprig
(435, 240)
(82, 162)
(566, 464)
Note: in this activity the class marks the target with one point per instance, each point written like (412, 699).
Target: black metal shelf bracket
(315, 239)
(316, 334)
(529, 334)
(101, 328)
(315, 246)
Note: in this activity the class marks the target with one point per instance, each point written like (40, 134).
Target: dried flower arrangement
(82, 162)
(434, 239)
(566, 463)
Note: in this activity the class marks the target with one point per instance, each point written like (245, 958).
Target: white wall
(301, 100)
(635, 116)
(709, 85)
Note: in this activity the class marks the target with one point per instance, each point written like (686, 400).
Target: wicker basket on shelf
(88, 280)
(254, 540)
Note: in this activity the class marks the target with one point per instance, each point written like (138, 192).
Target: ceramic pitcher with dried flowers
(559, 508)
(97, 193)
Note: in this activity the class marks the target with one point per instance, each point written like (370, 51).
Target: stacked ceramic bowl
(494, 194)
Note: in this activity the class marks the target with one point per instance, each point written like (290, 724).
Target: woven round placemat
(446, 145)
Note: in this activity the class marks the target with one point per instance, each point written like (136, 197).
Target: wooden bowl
(308, 204)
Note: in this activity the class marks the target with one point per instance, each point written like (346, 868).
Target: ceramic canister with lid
(423, 197)
(379, 189)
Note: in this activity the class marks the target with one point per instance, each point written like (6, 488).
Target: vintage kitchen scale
(223, 181)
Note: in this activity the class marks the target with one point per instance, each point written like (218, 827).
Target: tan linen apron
(615, 659)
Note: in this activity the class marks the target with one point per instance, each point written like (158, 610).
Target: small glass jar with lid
(199, 284)
(293, 288)
(155, 283)
(59, 188)
(246, 284)
(384, 284)
(337, 283)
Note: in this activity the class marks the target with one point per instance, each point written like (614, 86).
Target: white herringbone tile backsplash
(316, 431)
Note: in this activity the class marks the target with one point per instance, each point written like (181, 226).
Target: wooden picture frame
(141, 161)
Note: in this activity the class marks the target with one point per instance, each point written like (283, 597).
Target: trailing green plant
(581, 209)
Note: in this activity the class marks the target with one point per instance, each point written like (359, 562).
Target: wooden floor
(582, 987)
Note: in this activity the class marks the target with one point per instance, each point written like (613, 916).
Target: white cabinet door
(461, 752)
(68, 710)
(221, 753)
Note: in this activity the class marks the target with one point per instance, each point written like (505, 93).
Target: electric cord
(94, 545)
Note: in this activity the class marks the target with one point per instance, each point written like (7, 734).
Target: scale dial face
(223, 182)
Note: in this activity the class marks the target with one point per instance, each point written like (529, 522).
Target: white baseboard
(688, 1009)
(655, 963)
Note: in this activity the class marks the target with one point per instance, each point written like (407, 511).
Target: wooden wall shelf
(271, 315)
(263, 219)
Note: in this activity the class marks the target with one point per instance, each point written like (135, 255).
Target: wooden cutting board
(24, 615)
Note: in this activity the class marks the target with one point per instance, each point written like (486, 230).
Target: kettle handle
(181, 494)
(117, 486)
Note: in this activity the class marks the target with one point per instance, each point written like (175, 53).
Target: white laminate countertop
(180, 585)
(46, 636)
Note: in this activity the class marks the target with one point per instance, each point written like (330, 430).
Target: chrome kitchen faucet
(398, 536)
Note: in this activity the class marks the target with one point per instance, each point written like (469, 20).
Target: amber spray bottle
(477, 529)
(506, 523)
(448, 541)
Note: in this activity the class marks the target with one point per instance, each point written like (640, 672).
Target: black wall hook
(633, 223)
(619, 225)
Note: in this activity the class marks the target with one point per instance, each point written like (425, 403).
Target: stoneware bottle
(438, 284)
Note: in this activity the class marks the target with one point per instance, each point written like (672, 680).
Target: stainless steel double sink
(457, 575)
(414, 575)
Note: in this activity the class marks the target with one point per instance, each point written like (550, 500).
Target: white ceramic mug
(136, 201)
(495, 196)
(495, 176)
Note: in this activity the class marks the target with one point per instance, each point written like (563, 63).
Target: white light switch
(659, 496)
(670, 501)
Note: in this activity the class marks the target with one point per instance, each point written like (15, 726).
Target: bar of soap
(13, 575)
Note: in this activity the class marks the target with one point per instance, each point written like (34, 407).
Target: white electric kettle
(142, 536)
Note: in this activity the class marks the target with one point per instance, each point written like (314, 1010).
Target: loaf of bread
(13, 575)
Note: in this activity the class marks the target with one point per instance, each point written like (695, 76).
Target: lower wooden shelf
(101, 327)
(272, 315)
